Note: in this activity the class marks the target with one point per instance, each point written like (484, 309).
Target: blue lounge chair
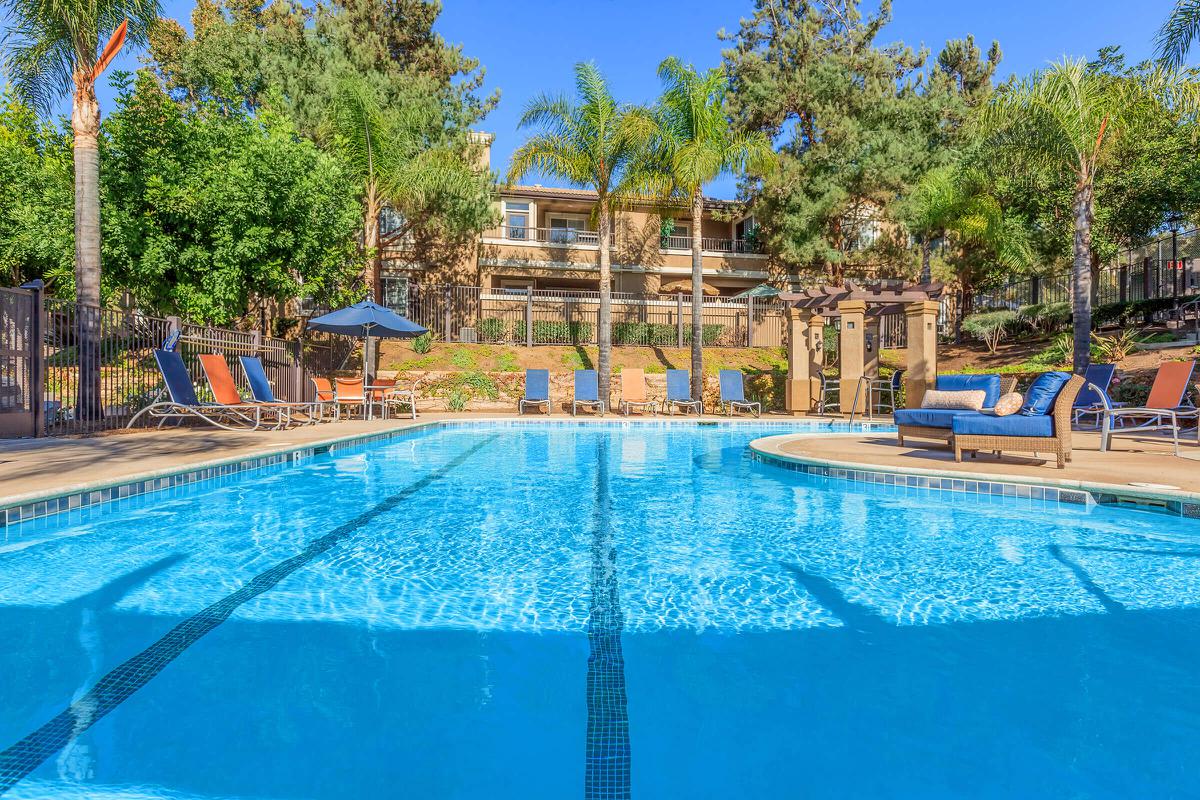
(537, 390)
(184, 404)
(733, 394)
(587, 392)
(261, 391)
(1093, 397)
(679, 393)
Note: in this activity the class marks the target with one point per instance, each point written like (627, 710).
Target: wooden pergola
(859, 308)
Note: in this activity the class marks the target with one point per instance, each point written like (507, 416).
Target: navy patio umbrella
(368, 320)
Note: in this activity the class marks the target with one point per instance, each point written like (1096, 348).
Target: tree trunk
(697, 296)
(604, 323)
(926, 267)
(371, 242)
(85, 125)
(1081, 212)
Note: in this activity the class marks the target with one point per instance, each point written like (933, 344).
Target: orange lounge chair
(225, 391)
(633, 391)
(1165, 406)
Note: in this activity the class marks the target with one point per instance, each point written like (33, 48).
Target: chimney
(483, 142)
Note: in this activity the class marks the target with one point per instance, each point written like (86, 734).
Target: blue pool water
(595, 611)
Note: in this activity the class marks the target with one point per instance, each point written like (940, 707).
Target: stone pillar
(921, 371)
(853, 354)
(804, 352)
(871, 347)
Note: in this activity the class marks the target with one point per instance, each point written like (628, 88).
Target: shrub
(492, 329)
(990, 326)
(462, 358)
(1046, 317)
(507, 362)
(555, 332)
(1116, 347)
(423, 343)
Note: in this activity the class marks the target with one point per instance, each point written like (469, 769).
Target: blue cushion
(1043, 392)
(930, 417)
(1012, 425)
(988, 384)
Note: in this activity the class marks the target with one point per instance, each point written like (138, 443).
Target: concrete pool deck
(33, 469)
(1133, 460)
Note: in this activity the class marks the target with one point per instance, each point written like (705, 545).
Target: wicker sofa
(936, 423)
(1041, 433)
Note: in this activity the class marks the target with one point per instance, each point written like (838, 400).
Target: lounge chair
(1043, 425)
(261, 391)
(1165, 406)
(1093, 397)
(733, 394)
(633, 391)
(679, 393)
(537, 390)
(184, 404)
(324, 394)
(224, 390)
(587, 392)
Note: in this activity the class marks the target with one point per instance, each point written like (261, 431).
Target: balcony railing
(552, 236)
(710, 245)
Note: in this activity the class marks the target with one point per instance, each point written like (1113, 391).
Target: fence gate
(20, 385)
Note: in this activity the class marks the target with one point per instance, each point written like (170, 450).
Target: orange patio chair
(633, 391)
(225, 391)
(1166, 405)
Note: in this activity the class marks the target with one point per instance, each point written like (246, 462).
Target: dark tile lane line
(118, 685)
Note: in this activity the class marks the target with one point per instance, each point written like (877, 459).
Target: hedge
(554, 332)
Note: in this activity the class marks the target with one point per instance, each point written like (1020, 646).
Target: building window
(516, 220)
(395, 293)
(571, 230)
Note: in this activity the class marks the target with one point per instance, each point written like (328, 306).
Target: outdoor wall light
(870, 342)
(850, 325)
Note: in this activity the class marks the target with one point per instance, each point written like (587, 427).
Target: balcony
(710, 245)
(564, 237)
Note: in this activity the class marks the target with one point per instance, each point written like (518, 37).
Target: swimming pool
(595, 610)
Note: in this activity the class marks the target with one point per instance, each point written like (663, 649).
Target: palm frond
(1177, 34)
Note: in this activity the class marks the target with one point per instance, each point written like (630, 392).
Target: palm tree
(396, 158)
(597, 143)
(52, 48)
(1176, 35)
(695, 144)
(1066, 119)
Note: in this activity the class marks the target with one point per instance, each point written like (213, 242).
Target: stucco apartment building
(547, 240)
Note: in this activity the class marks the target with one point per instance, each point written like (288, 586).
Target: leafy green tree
(1067, 120)
(847, 117)
(696, 145)
(594, 142)
(36, 239)
(391, 157)
(353, 75)
(212, 214)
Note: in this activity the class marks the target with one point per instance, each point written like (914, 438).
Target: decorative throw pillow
(1039, 400)
(970, 400)
(1008, 404)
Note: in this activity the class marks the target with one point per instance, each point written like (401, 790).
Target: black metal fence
(558, 317)
(1165, 268)
(67, 368)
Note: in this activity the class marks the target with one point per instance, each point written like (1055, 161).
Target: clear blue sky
(531, 46)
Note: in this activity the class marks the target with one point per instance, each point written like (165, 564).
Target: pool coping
(73, 497)
(1064, 490)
